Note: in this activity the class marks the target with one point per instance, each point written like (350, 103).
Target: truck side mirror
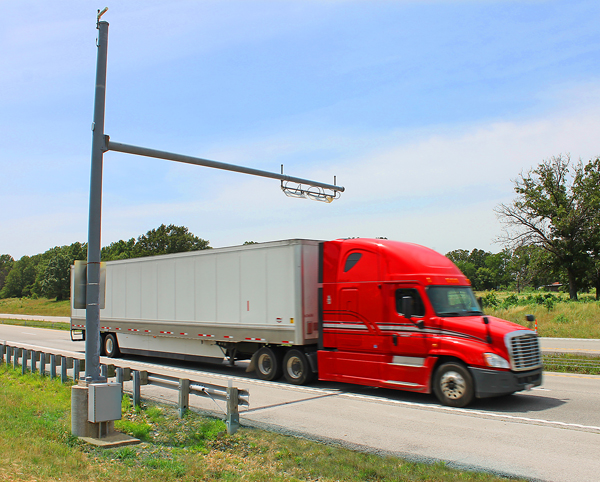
(530, 318)
(480, 303)
(407, 310)
(407, 306)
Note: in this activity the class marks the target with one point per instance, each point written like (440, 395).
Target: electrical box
(104, 402)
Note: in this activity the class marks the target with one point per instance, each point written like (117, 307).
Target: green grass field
(36, 444)
(30, 306)
(556, 316)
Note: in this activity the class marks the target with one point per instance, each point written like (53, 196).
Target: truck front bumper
(492, 383)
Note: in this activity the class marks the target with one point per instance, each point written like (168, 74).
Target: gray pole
(170, 156)
(92, 313)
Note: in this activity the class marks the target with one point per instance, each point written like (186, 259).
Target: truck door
(407, 342)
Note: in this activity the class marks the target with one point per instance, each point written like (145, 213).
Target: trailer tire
(268, 364)
(453, 385)
(296, 368)
(110, 345)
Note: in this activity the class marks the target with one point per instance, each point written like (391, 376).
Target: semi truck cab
(399, 315)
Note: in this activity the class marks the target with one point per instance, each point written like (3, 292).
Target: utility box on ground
(104, 402)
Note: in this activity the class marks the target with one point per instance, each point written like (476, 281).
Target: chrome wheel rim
(294, 367)
(109, 345)
(453, 385)
(265, 364)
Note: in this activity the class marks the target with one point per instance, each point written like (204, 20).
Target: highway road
(551, 433)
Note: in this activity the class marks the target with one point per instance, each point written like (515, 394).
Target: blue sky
(424, 110)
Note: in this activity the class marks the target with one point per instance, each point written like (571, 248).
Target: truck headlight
(495, 361)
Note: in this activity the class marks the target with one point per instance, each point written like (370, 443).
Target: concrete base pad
(115, 439)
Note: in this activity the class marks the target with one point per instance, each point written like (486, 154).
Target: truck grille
(524, 349)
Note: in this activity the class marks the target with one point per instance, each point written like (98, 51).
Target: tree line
(48, 274)
(551, 235)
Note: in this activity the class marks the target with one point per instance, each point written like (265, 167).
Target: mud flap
(312, 360)
(80, 333)
(252, 364)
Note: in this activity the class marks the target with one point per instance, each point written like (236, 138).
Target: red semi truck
(365, 311)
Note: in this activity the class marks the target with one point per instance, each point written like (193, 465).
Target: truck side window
(418, 307)
(351, 260)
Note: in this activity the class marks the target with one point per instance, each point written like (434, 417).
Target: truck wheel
(453, 385)
(296, 368)
(110, 345)
(268, 364)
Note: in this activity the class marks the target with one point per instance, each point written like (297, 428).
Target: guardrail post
(233, 416)
(1, 352)
(119, 375)
(63, 370)
(33, 361)
(76, 369)
(8, 354)
(52, 366)
(42, 364)
(23, 361)
(136, 388)
(15, 357)
(184, 396)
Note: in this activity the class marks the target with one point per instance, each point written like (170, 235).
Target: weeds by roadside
(37, 324)
(35, 306)
(556, 315)
(36, 444)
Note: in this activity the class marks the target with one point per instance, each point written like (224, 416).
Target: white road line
(466, 411)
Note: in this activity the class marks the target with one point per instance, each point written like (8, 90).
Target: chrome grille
(524, 350)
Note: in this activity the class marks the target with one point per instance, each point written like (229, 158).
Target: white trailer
(220, 303)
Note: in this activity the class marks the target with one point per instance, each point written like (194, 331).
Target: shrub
(490, 300)
(561, 319)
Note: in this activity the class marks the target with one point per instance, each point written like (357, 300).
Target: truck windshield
(453, 301)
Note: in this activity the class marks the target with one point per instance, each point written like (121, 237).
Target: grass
(31, 306)
(557, 317)
(572, 363)
(59, 325)
(36, 444)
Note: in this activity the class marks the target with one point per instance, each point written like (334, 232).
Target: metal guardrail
(232, 396)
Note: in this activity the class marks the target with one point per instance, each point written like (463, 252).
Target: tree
(20, 280)
(168, 239)
(53, 270)
(56, 278)
(485, 270)
(6, 264)
(118, 250)
(556, 208)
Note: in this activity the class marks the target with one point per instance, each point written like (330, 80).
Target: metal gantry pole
(198, 161)
(92, 314)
